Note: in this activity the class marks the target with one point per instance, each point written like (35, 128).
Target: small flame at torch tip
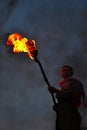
(21, 44)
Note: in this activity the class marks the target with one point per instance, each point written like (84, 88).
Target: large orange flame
(21, 44)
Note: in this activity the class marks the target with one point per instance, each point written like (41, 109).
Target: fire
(21, 44)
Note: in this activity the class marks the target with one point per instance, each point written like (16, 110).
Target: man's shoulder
(77, 81)
(77, 84)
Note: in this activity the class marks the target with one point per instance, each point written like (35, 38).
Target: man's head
(67, 71)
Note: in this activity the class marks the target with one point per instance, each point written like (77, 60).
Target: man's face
(66, 72)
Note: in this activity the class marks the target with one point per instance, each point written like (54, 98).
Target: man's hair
(67, 67)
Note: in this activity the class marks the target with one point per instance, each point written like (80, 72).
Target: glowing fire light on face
(21, 44)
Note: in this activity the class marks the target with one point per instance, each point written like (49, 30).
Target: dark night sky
(59, 28)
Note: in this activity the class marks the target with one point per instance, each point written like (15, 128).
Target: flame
(21, 44)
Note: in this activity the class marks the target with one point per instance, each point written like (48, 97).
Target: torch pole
(45, 78)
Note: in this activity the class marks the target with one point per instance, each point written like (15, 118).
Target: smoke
(60, 29)
(6, 11)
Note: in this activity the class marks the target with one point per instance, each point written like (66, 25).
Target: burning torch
(22, 44)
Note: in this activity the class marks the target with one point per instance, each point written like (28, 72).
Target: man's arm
(61, 94)
(73, 91)
(84, 99)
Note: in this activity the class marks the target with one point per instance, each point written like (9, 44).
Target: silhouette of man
(69, 101)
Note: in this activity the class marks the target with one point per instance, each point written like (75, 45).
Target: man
(69, 101)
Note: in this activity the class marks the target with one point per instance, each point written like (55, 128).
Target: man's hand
(51, 89)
